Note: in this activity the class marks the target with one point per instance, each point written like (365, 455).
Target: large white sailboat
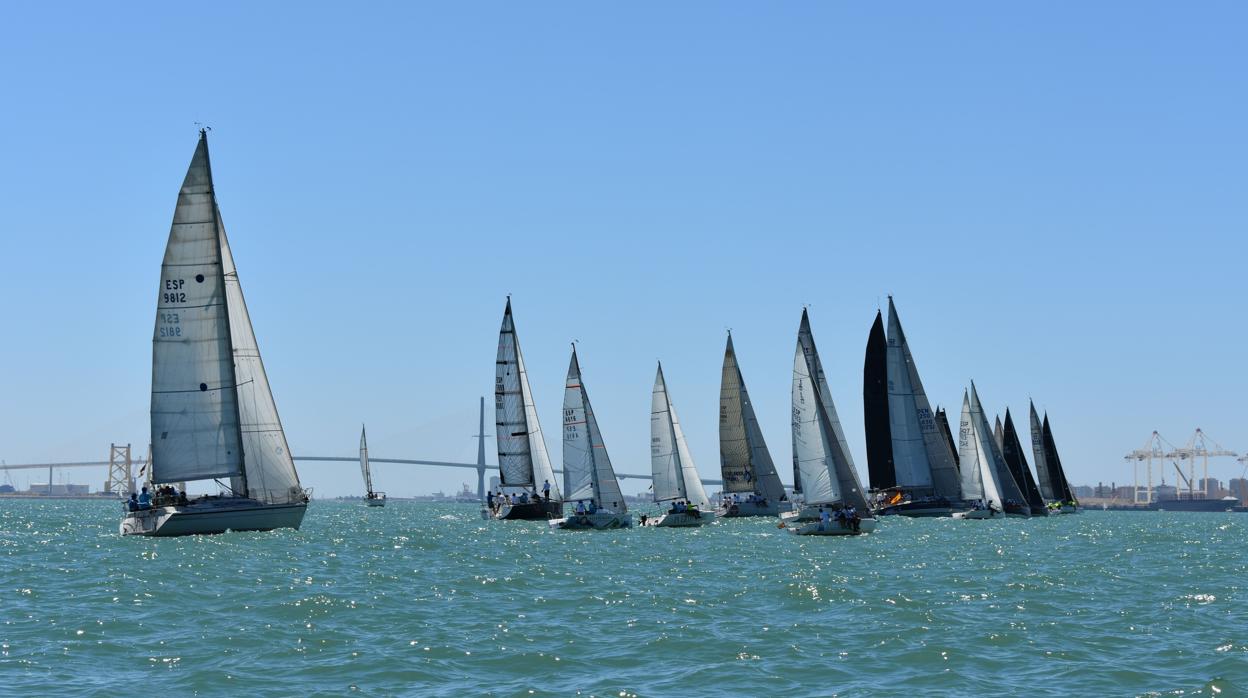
(589, 480)
(829, 483)
(371, 498)
(212, 416)
(751, 485)
(676, 479)
(523, 463)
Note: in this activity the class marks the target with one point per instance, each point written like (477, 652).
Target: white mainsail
(979, 470)
(675, 476)
(194, 411)
(745, 462)
(846, 473)
(213, 413)
(368, 475)
(812, 451)
(522, 457)
(586, 465)
(921, 456)
(1010, 490)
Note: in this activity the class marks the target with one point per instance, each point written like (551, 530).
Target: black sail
(942, 420)
(1056, 474)
(875, 409)
(1012, 449)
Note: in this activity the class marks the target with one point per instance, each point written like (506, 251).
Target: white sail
(848, 484)
(811, 448)
(671, 464)
(522, 457)
(270, 471)
(368, 476)
(745, 462)
(990, 467)
(194, 410)
(1009, 489)
(968, 455)
(585, 461)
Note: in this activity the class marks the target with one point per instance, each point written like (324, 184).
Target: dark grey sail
(942, 421)
(1045, 483)
(1056, 473)
(875, 408)
(745, 463)
(1013, 501)
(1012, 450)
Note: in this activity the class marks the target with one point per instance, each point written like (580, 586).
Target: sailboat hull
(210, 516)
(918, 509)
(742, 509)
(376, 502)
(681, 520)
(832, 528)
(531, 511)
(979, 514)
(600, 521)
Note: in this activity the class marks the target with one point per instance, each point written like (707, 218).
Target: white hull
(979, 514)
(216, 515)
(599, 521)
(832, 528)
(681, 520)
(376, 502)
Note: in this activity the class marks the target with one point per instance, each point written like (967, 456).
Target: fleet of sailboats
(213, 417)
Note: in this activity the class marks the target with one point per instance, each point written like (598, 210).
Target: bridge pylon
(119, 465)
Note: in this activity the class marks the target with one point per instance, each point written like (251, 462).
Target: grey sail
(980, 472)
(850, 488)
(926, 459)
(586, 465)
(1009, 489)
(1047, 490)
(368, 475)
(269, 468)
(522, 457)
(194, 410)
(998, 434)
(675, 476)
(745, 462)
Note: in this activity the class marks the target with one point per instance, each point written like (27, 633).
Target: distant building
(1212, 487)
(7, 489)
(1165, 492)
(1084, 491)
(1238, 488)
(59, 489)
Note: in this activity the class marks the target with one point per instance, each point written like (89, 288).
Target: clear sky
(1055, 193)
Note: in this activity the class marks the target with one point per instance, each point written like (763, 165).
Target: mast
(522, 457)
(875, 408)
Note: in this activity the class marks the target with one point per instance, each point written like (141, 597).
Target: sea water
(424, 599)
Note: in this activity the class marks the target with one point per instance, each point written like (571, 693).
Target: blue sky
(1055, 193)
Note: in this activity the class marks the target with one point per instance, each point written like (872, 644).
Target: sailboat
(1014, 501)
(372, 499)
(1016, 461)
(751, 485)
(212, 414)
(911, 464)
(983, 472)
(1053, 485)
(830, 483)
(523, 464)
(588, 475)
(676, 478)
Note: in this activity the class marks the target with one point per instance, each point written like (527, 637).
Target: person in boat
(145, 499)
(546, 490)
(592, 507)
(643, 519)
(580, 507)
(133, 503)
(824, 519)
(489, 499)
(840, 518)
(851, 516)
(182, 500)
(524, 497)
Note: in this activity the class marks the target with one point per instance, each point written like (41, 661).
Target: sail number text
(169, 326)
(173, 292)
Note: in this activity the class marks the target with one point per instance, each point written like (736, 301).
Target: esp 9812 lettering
(173, 292)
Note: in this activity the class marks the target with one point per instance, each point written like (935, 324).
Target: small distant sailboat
(523, 463)
(213, 414)
(676, 479)
(587, 470)
(751, 485)
(1055, 489)
(372, 498)
(911, 463)
(981, 466)
(830, 484)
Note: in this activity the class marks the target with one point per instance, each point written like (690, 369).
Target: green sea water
(422, 599)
